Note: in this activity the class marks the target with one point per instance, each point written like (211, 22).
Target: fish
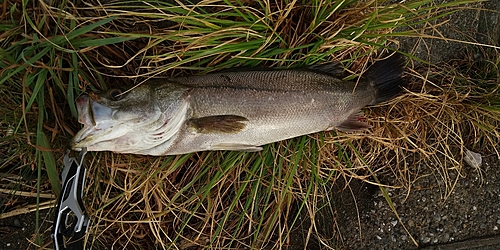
(238, 110)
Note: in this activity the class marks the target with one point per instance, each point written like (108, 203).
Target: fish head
(126, 122)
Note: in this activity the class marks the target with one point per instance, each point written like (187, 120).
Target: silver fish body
(239, 110)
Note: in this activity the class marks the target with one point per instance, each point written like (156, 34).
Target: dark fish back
(303, 79)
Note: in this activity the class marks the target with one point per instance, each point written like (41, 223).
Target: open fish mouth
(84, 112)
(95, 119)
(86, 118)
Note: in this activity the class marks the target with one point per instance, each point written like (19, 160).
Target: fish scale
(270, 115)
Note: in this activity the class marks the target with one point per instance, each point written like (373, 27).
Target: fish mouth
(85, 116)
(94, 117)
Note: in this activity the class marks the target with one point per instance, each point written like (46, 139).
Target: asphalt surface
(468, 218)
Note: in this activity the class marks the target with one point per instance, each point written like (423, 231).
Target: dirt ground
(17, 232)
(470, 213)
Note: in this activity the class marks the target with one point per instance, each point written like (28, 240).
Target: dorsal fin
(334, 69)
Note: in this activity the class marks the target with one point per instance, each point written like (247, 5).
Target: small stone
(378, 237)
(8, 244)
(473, 159)
(411, 223)
(445, 238)
(474, 208)
(495, 228)
(394, 223)
(426, 239)
(437, 217)
(380, 204)
(17, 222)
(482, 226)
(498, 221)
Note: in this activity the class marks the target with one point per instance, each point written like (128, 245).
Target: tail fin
(385, 77)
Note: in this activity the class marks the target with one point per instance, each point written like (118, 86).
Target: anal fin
(355, 122)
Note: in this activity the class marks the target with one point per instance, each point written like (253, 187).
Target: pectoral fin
(236, 147)
(218, 124)
(354, 122)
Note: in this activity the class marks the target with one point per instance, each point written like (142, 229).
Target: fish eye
(116, 94)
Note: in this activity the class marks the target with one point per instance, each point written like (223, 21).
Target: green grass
(51, 54)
